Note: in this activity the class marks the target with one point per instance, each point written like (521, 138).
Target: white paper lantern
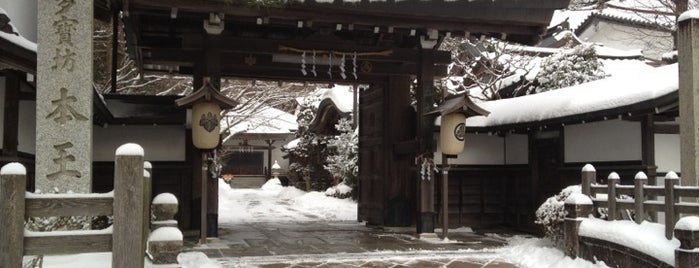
(453, 133)
(206, 118)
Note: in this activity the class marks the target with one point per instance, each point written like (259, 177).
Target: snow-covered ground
(274, 203)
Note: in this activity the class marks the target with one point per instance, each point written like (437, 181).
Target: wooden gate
(371, 156)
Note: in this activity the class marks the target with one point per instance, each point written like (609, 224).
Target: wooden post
(639, 181)
(128, 249)
(577, 206)
(588, 175)
(612, 181)
(671, 180)
(147, 185)
(13, 181)
(204, 198)
(445, 196)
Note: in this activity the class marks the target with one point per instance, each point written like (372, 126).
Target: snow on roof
(341, 96)
(269, 120)
(690, 14)
(17, 39)
(616, 91)
(637, 11)
(575, 18)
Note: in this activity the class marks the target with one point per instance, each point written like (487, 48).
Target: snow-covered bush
(65, 223)
(340, 190)
(551, 213)
(342, 158)
(568, 68)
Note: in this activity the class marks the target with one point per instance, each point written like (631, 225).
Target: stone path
(343, 244)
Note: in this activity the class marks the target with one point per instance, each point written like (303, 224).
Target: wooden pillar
(13, 181)
(114, 58)
(268, 174)
(128, 247)
(11, 117)
(425, 126)
(688, 51)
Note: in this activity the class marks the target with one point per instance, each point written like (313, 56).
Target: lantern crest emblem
(460, 131)
(208, 121)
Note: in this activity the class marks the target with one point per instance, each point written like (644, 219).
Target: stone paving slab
(341, 244)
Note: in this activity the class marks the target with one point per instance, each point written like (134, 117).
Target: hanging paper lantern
(206, 117)
(453, 133)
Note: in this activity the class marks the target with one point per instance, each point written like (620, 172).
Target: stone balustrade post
(164, 208)
(164, 244)
(687, 231)
(577, 207)
(588, 175)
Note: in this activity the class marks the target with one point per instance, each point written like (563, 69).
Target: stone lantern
(275, 169)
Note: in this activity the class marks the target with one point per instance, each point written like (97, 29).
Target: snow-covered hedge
(551, 213)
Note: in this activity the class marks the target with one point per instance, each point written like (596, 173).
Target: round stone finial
(671, 176)
(689, 223)
(613, 176)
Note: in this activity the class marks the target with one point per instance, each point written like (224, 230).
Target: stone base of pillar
(426, 222)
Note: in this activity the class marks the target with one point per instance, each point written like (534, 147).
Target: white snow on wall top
(17, 39)
(690, 14)
(647, 237)
(13, 168)
(616, 91)
(130, 149)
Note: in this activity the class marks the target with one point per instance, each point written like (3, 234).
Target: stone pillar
(688, 50)
(578, 206)
(687, 231)
(64, 96)
(164, 209)
(164, 244)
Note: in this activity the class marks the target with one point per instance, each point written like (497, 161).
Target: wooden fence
(644, 196)
(129, 204)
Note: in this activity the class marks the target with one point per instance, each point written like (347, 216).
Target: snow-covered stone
(130, 149)
(166, 234)
(146, 174)
(689, 223)
(147, 164)
(578, 199)
(13, 168)
(588, 168)
(671, 175)
(164, 244)
(165, 198)
(273, 184)
(613, 176)
(641, 176)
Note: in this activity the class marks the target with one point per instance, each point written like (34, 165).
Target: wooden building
(529, 148)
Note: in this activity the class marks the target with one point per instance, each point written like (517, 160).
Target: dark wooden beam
(666, 128)
(11, 117)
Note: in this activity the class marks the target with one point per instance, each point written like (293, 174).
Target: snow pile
(690, 14)
(690, 223)
(166, 234)
(272, 185)
(196, 260)
(535, 253)
(647, 237)
(338, 190)
(275, 203)
(130, 149)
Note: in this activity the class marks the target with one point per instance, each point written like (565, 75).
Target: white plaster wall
(480, 149)
(516, 149)
(2, 110)
(667, 152)
(277, 153)
(653, 43)
(23, 15)
(160, 143)
(611, 140)
(26, 133)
